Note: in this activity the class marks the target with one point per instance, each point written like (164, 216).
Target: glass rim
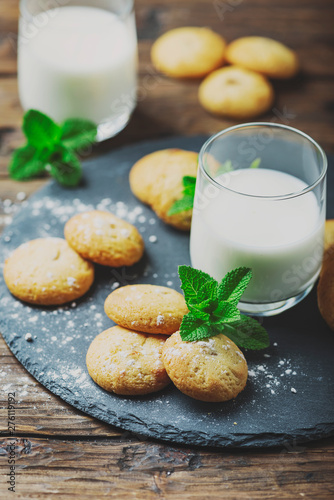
(309, 188)
(28, 16)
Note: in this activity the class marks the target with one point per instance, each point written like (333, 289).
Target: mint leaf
(201, 310)
(187, 201)
(225, 313)
(77, 133)
(255, 163)
(191, 282)
(234, 284)
(25, 163)
(208, 291)
(247, 333)
(65, 167)
(40, 130)
(193, 328)
(213, 308)
(182, 205)
(189, 181)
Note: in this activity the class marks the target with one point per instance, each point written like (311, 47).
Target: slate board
(267, 413)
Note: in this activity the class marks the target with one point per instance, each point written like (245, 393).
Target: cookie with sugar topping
(213, 369)
(126, 362)
(146, 308)
(47, 271)
(104, 238)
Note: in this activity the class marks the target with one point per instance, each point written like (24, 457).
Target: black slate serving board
(289, 395)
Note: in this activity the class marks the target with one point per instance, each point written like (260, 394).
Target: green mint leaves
(51, 147)
(189, 183)
(188, 194)
(213, 308)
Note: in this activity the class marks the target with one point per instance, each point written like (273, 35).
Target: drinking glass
(78, 59)
(260, 203)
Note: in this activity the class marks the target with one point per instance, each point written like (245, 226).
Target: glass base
(272, 308)
(112, 127)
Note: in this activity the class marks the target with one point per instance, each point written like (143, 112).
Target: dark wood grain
(122, 468)
(62, 452)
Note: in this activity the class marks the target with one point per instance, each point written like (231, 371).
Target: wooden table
(62, 452)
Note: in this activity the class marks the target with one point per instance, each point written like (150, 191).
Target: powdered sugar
(160, 319)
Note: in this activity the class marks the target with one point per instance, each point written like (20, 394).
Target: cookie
(46, 271)
(329, 234)
(156, 179)
(188, 52)
(236, 92)
(146, 308)
(325, 290)
(267, 56)
(213, 369)
(104, 238)
(127, 362)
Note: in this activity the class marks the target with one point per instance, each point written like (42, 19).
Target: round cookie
(146, 308)
(46, 271)
(267, 56)
(104, 238)
(127, 362)
(325, 290)
(213, 369)
(156, 179)
(188, 52)
(236, 92)
(329, 234)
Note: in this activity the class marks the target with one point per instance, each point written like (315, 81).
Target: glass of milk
(78, 59)
(260, 202)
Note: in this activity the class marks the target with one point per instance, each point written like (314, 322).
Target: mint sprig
(187, 200)
(189, 184)
(213, 308)
(51, 147)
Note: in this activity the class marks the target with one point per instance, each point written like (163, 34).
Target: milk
(281, 240)
(79, 62)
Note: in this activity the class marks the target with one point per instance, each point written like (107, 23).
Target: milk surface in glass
(280, 240)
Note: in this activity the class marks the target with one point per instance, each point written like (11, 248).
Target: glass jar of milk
(78, 59)
(260, 202)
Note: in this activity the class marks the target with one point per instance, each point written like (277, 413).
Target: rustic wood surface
(60, 451)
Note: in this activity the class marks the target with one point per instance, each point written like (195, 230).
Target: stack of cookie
(240, 91)
(53, 271)
(156, 179)
(127, 359)
(134, 358)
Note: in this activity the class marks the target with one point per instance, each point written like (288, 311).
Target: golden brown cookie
(188, 52)
(46, 271)
(127, 362)
(329, 234)
(325, 289)
(213, 369)
(236, 92)
(146, 308)
(104, 238)
(156, 179)
(267, 56)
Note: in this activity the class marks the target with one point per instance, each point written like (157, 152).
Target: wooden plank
(167, 107)
(48, 468)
